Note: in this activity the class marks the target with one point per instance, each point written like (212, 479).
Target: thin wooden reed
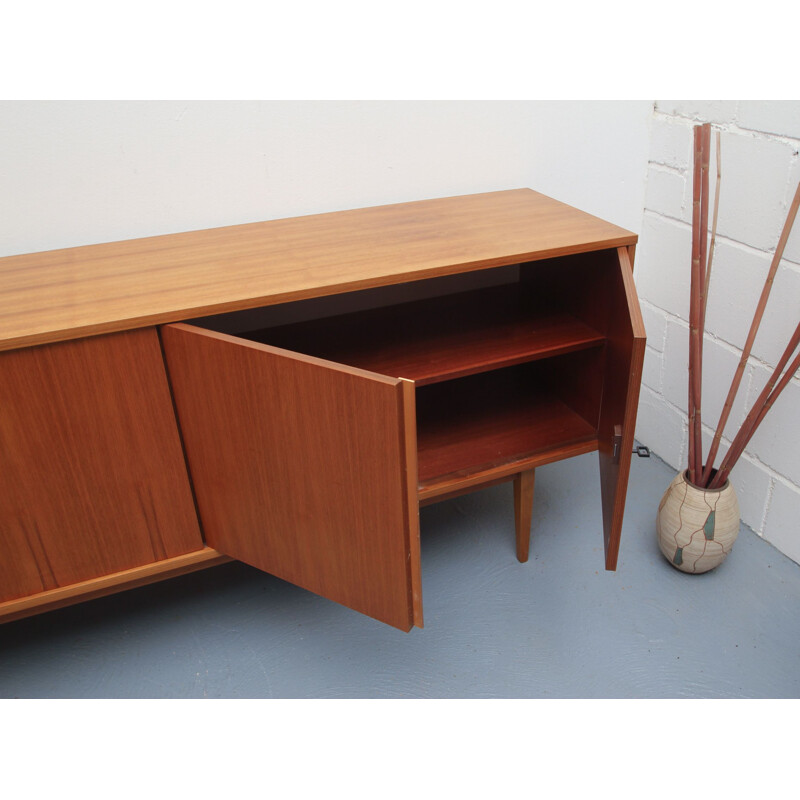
(713, 225)
(694, 367)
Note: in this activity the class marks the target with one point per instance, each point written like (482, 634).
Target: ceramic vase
(697, 527)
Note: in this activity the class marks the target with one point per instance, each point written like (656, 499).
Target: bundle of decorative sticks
(702, 472)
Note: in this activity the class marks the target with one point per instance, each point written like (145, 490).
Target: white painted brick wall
(752, 197)
(655, 324)
(783, 520)
(661, 426)
(699, 110)
(760, 172)
(782, 119)
(665, 190)
(670, 143)
(662, 245)
(737, 280)
(653, 368)
(792, 252)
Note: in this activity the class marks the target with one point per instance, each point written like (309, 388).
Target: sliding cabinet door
(92, 477)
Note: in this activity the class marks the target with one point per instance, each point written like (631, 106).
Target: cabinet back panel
(582, 285)
(317, 308)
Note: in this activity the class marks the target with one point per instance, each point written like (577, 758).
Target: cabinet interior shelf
(438, 339)
(492, 423)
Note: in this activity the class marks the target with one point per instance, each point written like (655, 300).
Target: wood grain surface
(625, 347)
(63, 294)
(110, 584)
(523, 511)
(438, 339)
(482, 424)
(598, 289)
(93, 475)
(302, 468)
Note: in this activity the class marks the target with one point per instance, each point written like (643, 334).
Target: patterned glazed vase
(697, 527)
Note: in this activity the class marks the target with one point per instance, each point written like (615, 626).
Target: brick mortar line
(778, 478)
(653, 213)
(648, 346)
(730, 127)
(682, 223)
(667, 168)
(655, 308)
(657, 389)
(767, 506)
(735, 243)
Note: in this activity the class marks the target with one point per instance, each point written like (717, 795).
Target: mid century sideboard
(288, 393)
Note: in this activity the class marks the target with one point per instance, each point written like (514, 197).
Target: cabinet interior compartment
(508, 374)
(507, 420)
(443, 337)
(581, 286)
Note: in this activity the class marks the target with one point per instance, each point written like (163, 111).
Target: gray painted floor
(558, 626)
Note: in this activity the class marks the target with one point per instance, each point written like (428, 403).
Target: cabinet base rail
(109, 584)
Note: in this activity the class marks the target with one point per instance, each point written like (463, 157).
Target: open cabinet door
(625, 344)
(303, 468)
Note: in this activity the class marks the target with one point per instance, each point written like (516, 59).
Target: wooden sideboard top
(81, 291)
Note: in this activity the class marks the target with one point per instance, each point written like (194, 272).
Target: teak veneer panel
(64, 294)
(105, 585)
(93, 475)
(302, 468)
(625, 348)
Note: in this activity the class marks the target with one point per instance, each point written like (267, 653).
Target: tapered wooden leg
(523, 510)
